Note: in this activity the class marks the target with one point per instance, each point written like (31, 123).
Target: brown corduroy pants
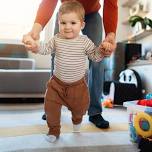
(75, 96)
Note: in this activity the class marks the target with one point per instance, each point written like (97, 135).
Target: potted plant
(144, 21)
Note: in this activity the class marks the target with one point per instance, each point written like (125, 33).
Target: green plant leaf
(134, 19)
(144, 21)
(148, 21)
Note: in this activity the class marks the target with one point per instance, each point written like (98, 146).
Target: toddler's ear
(83, 25)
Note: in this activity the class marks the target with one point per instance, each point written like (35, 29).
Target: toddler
(67, 86)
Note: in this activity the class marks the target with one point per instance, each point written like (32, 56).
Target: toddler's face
(70, 25)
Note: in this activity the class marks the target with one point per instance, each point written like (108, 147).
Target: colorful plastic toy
(107, 103)
(145, 102)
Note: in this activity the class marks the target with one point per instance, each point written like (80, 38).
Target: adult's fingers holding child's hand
(106, 48)
(26, 39)
(111, 38)
(32, 46)
(29, 43)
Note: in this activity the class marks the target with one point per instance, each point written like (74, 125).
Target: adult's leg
(93, 29)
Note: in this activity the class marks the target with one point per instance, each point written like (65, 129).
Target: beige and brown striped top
(70, 56)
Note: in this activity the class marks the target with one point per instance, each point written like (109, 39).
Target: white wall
(122, 30)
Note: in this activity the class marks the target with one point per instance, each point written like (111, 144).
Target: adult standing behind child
(93, 29)
(67, 86)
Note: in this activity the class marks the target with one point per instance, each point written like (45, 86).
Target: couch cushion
(13, 50)
(23, 81)
(17, 63)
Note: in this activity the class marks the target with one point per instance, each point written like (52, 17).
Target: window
(16, 18)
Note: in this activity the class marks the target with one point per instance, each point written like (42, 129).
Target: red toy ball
(145, 102)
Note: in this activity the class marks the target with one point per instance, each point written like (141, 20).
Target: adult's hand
(34, 33)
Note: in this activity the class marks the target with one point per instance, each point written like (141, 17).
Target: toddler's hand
(111, 38)
(30, 43)
(106, 48)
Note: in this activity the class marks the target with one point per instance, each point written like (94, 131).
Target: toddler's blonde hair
(72, 6)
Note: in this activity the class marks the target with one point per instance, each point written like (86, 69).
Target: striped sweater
(71, 56)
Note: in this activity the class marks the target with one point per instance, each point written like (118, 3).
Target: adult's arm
(45, 11)
(110, 16)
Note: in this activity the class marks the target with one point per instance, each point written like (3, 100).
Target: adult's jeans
(93, 29)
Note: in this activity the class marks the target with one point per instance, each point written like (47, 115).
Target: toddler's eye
(73, 23)
(62, 23)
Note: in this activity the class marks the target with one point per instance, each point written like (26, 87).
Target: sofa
(18, 76)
